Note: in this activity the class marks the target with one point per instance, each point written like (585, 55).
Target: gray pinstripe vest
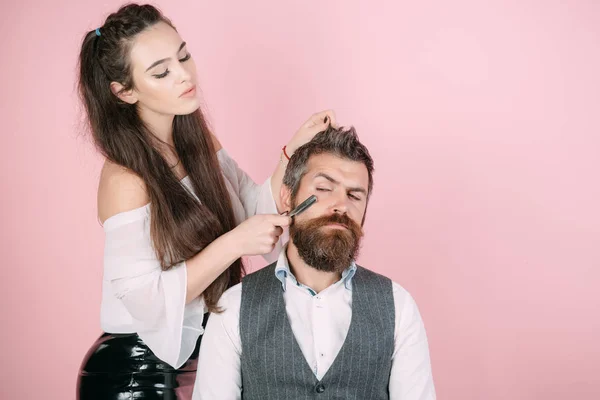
(273, 366)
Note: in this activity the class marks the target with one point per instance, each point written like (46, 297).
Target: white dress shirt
(320, 322)
(139, 297)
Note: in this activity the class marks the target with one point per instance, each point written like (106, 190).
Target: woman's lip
(189, 91)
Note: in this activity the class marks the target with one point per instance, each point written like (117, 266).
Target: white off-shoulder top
(139, 297)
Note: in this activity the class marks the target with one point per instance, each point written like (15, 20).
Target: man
(314, 324)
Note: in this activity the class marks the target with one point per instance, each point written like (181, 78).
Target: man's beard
(327, 249)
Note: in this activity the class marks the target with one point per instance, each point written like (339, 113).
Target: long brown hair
(180, 225)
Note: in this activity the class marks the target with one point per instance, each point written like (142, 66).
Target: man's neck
(307, 275)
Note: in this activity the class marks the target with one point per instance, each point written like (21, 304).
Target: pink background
(483, 119)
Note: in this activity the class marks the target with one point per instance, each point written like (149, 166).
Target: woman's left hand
(316, 123)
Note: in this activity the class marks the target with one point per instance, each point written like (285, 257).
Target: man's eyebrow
(332, 180)
(324, 175)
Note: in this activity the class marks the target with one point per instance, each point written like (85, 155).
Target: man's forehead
(337, 168)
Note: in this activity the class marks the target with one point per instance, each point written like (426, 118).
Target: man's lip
(336, 225)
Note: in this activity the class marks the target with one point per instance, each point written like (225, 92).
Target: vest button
(320, 388)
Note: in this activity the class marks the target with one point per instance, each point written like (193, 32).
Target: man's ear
(127, 96)
(285, 195)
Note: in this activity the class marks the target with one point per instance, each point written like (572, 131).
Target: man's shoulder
(369, 272)
(261, 273)
(400, 293)
(231, 296)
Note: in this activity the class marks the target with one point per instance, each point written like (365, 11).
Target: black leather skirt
(121, 366)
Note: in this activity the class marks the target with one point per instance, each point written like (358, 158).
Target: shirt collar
(282, 271)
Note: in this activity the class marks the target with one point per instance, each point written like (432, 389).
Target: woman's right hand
(259, 234)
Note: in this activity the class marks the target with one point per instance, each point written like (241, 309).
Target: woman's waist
(116, 318)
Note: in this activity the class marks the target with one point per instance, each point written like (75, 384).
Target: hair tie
(97, 31)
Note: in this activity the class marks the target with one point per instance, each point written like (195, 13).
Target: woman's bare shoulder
(119, 190)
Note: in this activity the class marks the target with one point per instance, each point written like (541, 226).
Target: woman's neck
(160, 125)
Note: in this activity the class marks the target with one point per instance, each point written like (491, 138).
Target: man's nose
(340, 205)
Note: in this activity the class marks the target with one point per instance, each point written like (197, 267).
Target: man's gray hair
(339, 142)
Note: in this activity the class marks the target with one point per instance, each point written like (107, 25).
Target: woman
(170, 200)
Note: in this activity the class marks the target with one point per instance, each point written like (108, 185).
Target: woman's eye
(162, 75)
